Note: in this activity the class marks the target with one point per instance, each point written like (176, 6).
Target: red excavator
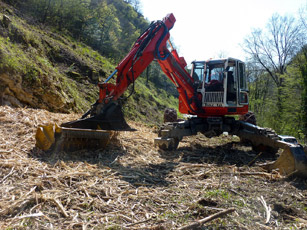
(211, 95)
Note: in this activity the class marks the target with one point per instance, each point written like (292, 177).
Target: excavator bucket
(110, 117)
(52, 137)
(292, 160)
(94, 132)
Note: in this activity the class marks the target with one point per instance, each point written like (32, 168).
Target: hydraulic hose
(157, 53)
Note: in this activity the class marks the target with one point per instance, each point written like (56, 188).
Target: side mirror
(227, 69)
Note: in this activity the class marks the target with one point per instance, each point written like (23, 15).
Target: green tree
(272, 49)
(300, 67)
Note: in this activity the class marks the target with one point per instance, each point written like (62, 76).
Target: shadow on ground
(149, 175)
(232, 153)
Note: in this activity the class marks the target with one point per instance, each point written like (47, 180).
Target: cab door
(242, 82)
(231, 83)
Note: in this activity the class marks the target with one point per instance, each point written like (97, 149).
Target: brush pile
(133, 185)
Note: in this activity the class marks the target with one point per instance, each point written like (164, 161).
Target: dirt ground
(133, 185)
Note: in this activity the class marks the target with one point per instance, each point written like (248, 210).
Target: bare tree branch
(275, 46)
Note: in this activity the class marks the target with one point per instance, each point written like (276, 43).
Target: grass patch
(217, 193)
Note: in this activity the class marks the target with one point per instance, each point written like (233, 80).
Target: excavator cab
(221, 83)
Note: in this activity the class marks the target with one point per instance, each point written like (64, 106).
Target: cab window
(214, 73)
(198, 71)
(242, 78)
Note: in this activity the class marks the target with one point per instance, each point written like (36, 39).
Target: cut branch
(207, 219)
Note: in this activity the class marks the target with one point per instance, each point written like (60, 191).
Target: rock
(6, 21)
(95, 76)
(13, 92)
(8, 11)
(170, 115)
(74, 75)
(13, 89)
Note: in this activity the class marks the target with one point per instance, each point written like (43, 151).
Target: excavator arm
(189, 100)
(152, 44)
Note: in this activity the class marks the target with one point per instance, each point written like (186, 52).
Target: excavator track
(260, 138)
(164, 141)
(291, 160)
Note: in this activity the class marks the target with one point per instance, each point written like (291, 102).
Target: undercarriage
(293, 159)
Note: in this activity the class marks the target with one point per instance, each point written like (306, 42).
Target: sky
(208, 28)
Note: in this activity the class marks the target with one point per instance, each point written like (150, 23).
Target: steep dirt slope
(133, 185)
(42, 69)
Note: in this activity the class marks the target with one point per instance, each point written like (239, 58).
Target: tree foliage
(277, 71)
(109, 26)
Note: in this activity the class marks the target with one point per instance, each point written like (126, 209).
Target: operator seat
(231, 91)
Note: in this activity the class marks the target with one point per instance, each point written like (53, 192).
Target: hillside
(41, 67)
(133, 185)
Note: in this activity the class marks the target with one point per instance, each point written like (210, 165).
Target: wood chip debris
(129, 185)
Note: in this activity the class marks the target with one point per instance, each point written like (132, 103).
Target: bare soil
(133, 185)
